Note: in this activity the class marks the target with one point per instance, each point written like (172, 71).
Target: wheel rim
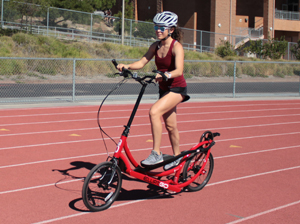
(102, 189)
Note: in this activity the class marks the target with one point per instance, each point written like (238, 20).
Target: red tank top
(168, 64)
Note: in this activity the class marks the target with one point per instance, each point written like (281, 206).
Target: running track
(45, 153)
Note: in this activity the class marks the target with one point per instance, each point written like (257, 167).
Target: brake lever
(165, 78)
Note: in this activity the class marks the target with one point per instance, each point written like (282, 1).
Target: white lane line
(39, 186)
(220, 182)
(142, 116)
(146, 124)
(253, 175)
(265, 212)
(135, 201)
(134, 136)
(143, 149)
(109, 111)
(83, 213)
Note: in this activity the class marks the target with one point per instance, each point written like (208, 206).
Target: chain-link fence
(53, 79)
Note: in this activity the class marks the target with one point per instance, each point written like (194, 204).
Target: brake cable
(98, 114)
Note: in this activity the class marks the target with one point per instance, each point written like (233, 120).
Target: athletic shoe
(153, 159)
(172, 164)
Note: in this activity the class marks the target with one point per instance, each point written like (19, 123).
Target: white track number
(118, 146)
(163, 185)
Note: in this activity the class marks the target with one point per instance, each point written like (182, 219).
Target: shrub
(275, 48)
(225, 49)
(24, 39)
(296, 50)
(255, 47)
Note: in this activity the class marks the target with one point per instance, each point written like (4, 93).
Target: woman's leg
(170, 119)
(165, 105)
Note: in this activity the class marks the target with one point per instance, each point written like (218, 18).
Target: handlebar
(125, 73)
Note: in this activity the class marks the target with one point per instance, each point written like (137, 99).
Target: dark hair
(177, 34)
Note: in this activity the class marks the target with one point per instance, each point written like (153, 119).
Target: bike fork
(114, 167)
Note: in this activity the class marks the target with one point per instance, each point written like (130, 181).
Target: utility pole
(123, 18)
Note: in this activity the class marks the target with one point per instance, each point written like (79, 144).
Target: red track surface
(45, 153)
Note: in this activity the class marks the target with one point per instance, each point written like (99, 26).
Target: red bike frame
(146, 175)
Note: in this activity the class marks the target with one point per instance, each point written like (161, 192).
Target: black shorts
(180, 90)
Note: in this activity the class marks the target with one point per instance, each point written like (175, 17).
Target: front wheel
(102, 186)
(193, 166)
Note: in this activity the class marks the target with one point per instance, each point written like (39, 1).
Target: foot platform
(167, 159)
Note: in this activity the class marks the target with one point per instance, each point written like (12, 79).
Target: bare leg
(165, 105)
(171, 125)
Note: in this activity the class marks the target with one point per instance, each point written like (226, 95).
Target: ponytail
(177, 34)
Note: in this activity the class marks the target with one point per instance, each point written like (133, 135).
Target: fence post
(201, 42)
(2, 23)
(288, 51)
(130, 32)
(234, 76)
(73, 80)
(47, 20)
(91, 27)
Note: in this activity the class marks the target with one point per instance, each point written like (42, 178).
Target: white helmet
(166, 18)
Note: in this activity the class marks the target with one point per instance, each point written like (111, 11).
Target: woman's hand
(158, 77)
(121, 66)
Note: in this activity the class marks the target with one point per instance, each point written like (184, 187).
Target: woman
(169, 58)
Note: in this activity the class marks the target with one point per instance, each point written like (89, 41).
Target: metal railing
(288, 15)
(61, 79)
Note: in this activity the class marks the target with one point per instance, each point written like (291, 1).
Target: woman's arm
(141, 63)
(178, 52)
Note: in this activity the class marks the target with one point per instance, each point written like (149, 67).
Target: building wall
(268, 18)
(186, 12)
(253, 8)
(278, 4)
(146, 9)
(214, 16)
(223, 20)
(289, 36)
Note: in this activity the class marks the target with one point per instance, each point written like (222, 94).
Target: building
(258, 18)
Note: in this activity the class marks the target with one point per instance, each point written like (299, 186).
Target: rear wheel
(193, 166)
(101, 186)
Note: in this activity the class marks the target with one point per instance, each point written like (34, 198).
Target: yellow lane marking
(235, 146)
(74, 135)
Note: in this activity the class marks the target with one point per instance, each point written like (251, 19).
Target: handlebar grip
(165, 78)
(114, 62)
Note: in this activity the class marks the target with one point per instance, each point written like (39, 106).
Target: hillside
(27, 45)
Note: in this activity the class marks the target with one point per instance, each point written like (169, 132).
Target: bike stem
(137, 103)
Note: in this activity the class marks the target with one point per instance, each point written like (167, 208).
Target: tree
(128, 10)
(296, 50)
(144, 30)
(26, 10)
(85, 6)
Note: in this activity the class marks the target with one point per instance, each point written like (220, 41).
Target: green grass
(28, 45)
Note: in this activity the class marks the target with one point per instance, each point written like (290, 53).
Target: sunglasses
(161, 28)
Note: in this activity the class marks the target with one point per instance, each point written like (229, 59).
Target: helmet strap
(169, 34)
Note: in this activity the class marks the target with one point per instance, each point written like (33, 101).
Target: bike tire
(193, 165)
(97, 193)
